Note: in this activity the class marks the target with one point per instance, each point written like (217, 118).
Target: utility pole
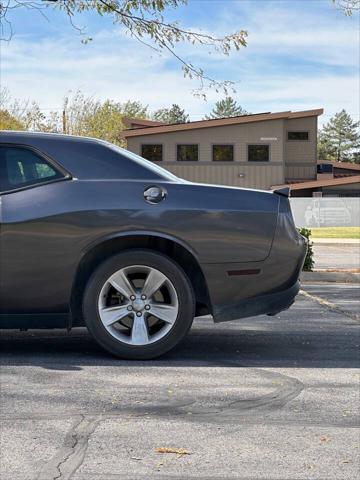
(64, 121)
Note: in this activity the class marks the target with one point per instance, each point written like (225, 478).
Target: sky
(301, 54)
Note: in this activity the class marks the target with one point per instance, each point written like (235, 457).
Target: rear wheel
(138, 304)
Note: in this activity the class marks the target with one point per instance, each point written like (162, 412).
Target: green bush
(309, 259)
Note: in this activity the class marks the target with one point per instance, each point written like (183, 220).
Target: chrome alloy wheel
(138, 305)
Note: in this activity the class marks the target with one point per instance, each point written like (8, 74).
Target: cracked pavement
(265, 398)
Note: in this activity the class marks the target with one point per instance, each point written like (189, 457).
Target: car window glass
(149, 166)
(21, 167)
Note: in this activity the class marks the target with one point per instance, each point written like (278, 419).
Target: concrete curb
(338, 277)
(335, 241)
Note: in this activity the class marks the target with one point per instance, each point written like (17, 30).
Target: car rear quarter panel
(47, 229)
(278, 272)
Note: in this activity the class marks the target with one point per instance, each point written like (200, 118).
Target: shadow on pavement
(266, 344)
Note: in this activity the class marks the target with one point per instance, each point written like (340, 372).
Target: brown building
(256, 151)
(334, 179)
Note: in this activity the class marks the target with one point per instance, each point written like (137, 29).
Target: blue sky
(300, 54)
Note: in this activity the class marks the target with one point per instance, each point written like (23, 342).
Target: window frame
(187, 145)
(266, 162)
(223, 145)
(157, 144)
(55, 165)
(297, 131)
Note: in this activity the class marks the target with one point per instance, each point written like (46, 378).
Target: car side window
(21, 167)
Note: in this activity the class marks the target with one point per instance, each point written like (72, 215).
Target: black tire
(184, 293)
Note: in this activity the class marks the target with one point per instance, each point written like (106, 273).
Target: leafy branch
(144, 20)
(348, 7)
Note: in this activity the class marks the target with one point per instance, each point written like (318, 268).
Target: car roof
(87, 158)
(16, 134)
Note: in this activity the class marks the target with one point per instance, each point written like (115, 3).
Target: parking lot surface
(263, 398)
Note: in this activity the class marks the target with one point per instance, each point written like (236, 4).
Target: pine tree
(228, 107)
(175, 114)
(339, 140)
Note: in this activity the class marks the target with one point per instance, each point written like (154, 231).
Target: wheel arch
(106, 247)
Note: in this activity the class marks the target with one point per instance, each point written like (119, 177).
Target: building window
(152, 152)
(325, 168)
(298, 136)
(258, 153)
(223, 153)
(188, 153)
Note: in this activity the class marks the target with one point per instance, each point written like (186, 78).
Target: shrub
(309, 259)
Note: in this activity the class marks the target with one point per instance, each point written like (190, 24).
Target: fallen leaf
(325, 439)
(177, 451)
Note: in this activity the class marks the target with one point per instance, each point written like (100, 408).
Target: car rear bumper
(269, 304)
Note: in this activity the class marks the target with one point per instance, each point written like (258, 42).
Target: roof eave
(220, 122)
(320, 183)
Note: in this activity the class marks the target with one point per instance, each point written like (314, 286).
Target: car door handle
(154, 194)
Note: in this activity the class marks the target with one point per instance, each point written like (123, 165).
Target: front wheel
(138, 304)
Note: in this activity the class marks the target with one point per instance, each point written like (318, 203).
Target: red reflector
(254, 271)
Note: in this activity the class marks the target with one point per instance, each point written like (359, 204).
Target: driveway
(264, 398)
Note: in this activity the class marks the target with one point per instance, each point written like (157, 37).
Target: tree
(134, 109)
(34, 119)
(105, 123)
(339, 139)
(9, 122)
(324, 147)
(171, 115)
(86, 116)
(145, 21)
(26, 113)
(81, 115)
(228, 107)
(348, 7)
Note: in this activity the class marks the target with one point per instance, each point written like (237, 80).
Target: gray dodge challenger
(94, 235)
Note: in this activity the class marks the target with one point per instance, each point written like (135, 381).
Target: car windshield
(165, 174)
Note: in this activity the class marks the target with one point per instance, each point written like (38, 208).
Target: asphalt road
(266, 398)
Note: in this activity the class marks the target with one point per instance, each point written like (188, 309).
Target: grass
(336, 232)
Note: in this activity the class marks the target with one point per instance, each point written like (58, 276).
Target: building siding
(300, 172)
(259, 175)
(289, 160)
(301, 156)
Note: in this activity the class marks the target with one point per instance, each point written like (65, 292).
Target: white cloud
(47, 70)
(331, 92)
(277, 28)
